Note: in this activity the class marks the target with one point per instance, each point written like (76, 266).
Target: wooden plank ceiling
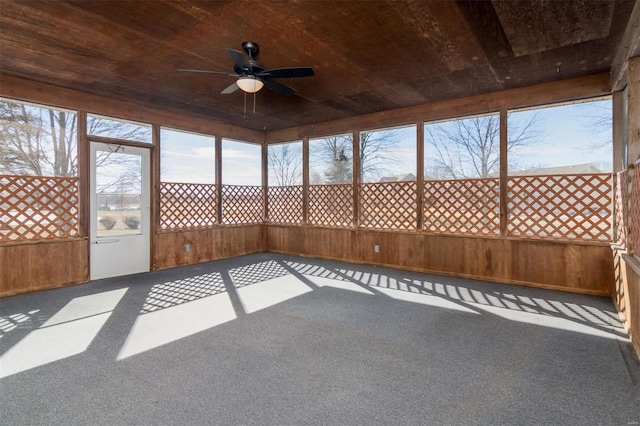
(368, 56)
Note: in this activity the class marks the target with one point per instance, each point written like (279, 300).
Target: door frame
(147, 224)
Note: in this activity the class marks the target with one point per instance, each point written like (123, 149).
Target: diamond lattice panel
(634, 213)
(285, 204)
(187, 205)
(620, 206)
(331, 205)
(388, 205)
(38, 208)
(462, 206)
(561, 206)
(242, 204)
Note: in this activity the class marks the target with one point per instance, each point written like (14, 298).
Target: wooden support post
(504, 193)
(305, 180)
(218, 167)
(420, 175)
(265, 182)
(83, 175)
(156, 226)
(633, 111)
(618, 136)
(356, 179)
(632, 119)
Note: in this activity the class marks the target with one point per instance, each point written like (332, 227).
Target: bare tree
(285, 163)
(37, 141)
(471, 147)
(43, 141)
(376, 154)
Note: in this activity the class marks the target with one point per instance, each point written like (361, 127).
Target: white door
(120, 227)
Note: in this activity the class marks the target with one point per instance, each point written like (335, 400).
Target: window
(37, 140)
(331, 160)
(38, 172)
(285, 183)
(461, 172)
(388, 189)
(463, 148)
(285, 164)
(388, 155)
(241, 163)
(331, 181)
(560, 162)
(242, 193)
(187, 191)
(187, 157)
(118, 129)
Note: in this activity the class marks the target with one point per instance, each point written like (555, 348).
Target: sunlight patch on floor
(264, 294)
(551, 321)
(340, 284)
(424, 299)
(69, 332)
(157, 328)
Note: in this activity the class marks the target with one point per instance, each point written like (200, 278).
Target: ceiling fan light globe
(249, 85)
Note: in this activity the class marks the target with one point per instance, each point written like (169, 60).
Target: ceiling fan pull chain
(245, 106)
(254, 102)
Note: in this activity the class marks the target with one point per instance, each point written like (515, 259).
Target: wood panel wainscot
(189, 247)
(626, 294)
(43, 265)
(576, 267)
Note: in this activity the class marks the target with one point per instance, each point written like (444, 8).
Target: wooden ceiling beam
(31, 91)
(629, 47)
(539, 94)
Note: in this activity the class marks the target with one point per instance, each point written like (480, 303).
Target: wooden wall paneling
(537, 262)
(444, 254)
(632, 320)
(627, 294)
(525, 262)
(4, 286)
(486, 258)
(411, 250)
(17, 88)
(206, 245)
(39, 266)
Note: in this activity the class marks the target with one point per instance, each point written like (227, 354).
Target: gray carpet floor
(270, 339)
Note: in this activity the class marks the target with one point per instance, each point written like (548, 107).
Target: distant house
(576, 169)
(400, 178)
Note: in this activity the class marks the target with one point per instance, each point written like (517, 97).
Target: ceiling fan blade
(240, 61)
(210, 72)
(230, 89)
(296, 72)
(278, 87)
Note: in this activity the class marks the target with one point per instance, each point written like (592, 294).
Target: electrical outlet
(187, 248)
(376, 248)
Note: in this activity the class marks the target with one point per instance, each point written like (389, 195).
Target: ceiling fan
(252, 75)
